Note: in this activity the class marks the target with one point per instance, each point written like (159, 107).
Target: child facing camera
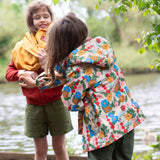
(44, 112)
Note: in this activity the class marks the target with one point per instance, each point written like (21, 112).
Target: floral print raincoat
(95, 87)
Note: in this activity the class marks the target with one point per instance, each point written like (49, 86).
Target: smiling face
(41, 19)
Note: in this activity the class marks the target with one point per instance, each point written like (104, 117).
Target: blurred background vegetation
(119, 31)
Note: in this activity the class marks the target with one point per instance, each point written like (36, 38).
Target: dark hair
(64, 36)
(32, 8)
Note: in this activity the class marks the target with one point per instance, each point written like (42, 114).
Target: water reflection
(145, 88)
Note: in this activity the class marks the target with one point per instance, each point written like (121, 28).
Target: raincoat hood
(96, 51)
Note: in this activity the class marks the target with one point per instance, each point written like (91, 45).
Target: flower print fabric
(96, 88)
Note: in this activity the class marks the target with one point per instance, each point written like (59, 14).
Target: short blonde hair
(32, 8)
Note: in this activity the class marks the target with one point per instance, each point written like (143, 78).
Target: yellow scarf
(25, 53)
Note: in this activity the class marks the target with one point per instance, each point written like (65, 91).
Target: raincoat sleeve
(42, 81)
(74, 93)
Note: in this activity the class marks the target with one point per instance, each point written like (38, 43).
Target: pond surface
(145, 88)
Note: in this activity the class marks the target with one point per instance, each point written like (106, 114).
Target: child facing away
(44, 110)
(95, 86)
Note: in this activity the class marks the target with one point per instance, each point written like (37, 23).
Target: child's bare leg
(41, 148)
(59, 147)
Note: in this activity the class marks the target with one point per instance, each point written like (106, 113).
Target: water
(145, 88)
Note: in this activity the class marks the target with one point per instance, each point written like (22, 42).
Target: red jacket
(35, 95)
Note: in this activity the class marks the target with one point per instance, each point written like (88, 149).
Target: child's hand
(42, 56)
(32, 74)
(28, 81)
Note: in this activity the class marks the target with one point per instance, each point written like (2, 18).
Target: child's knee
(59, 148)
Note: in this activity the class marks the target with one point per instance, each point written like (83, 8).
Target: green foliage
(16, 7)
(135, 156)
(3, 67)
(142, 50)
(157, 145)
(145, 156)
(69, 143)
(149, 155)
(56, 1)
(12, 25)
(97, 27)
(158, 138)
(150, 40)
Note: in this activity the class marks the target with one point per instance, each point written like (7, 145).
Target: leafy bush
(12, 25)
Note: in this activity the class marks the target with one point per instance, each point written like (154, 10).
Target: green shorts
(52, 117)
